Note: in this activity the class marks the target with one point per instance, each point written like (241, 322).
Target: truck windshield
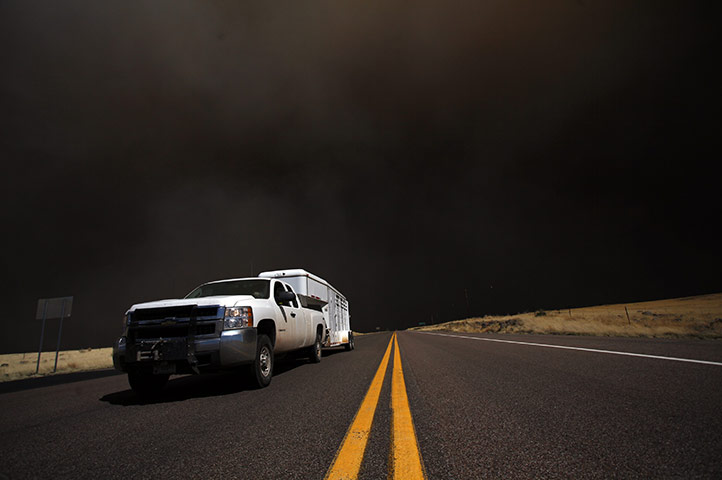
(257, 288)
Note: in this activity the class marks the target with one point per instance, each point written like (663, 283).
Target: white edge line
(594, 350)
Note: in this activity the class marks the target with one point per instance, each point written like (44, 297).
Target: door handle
(293, 315)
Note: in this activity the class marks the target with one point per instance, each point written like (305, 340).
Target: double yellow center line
(405, 458)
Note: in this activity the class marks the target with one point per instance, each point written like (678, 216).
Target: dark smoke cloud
(536, 154)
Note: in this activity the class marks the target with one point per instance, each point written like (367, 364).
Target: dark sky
(537, 154)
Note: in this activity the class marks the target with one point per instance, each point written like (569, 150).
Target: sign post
(49, 308)
(42, 332)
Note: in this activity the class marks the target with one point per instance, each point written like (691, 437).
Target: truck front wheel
(147, 385)
(262, 368)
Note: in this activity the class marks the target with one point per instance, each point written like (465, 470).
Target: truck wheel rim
(318, 348)
(265, 361)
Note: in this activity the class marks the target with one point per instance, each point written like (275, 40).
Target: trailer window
(256, 288)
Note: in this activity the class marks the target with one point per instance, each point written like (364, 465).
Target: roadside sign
(49, 308)
(54, 308)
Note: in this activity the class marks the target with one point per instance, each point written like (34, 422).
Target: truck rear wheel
(350, 345)
(147, 385)
(262, 368)
(314, 351)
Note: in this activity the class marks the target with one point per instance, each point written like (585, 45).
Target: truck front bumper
(175, 355)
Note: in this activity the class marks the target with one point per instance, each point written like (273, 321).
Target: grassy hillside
(699, 316)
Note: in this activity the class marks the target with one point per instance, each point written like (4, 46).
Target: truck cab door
(299, 319)
(305, 322)
(293, 318)
(286, 328)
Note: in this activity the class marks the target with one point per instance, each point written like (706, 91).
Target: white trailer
(316, 293)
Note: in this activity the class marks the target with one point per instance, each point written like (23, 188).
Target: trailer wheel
(262, 368)
(147, 385)
(314, 351)
(350, 345)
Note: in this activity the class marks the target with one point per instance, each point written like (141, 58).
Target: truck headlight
(238, 317)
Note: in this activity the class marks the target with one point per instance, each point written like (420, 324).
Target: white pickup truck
(228, 324)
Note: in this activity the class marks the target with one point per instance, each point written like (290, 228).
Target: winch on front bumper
(182, 345)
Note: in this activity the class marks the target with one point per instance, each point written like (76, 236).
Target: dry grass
(698, 317)
(15, 366)
(359, 334)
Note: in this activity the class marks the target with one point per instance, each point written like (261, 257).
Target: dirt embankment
(693, 317)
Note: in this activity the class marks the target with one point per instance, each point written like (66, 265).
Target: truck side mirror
(285, 297)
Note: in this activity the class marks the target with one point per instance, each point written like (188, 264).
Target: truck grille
(170, 331)
(183, 311)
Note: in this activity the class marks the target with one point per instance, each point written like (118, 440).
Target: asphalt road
(481, 410)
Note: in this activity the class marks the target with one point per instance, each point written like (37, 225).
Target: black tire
(262, 368)
(350, 345)
(147, 385)
(314, 351)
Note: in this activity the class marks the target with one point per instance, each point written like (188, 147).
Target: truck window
(277, 289)
(294, 302)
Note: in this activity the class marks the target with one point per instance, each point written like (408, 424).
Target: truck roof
(230, 280)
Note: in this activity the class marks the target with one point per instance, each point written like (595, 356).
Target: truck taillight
(238, 317)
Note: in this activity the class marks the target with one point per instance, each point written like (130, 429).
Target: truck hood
(228, 301)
